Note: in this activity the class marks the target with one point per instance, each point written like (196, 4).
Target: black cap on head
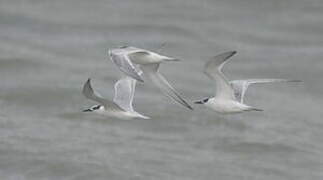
(202, 101)
(93, 108)
(87, 110)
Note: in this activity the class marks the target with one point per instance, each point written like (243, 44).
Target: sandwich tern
(135, 61)
(230, 94)
(121, 106)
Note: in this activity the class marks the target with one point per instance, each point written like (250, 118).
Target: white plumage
(229, 95)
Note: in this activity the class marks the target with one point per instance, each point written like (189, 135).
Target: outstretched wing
(151, 71)
(240, 86)
(122, 61)
(213, 70)
(89, 93)
(124, 93)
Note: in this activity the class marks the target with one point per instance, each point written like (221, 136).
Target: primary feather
(213, 68)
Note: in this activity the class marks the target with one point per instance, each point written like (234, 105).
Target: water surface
(49, 48)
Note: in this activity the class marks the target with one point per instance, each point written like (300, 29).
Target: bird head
(203, 101)
(93, 108)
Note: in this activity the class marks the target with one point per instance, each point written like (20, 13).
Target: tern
(121, 106)
(230, 94)
(135, 61)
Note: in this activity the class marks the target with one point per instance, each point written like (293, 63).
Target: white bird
(229, 95)
(121, 106)
(133, 61)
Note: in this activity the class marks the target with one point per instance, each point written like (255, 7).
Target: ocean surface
(49, 48)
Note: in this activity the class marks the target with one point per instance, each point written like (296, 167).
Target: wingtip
(189, 106)
(232, 53)
(227, 54)
(140, 80)
(87, 88)
(88, 82)
(257, 109)
(221, 58)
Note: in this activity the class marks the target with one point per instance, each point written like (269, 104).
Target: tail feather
(256, 109)
(172, 59)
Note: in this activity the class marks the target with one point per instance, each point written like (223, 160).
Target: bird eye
(205, 100)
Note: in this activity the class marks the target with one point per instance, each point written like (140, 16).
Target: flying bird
(230, 94)
(136, 62)
(121, 106)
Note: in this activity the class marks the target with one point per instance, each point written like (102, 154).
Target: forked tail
(171, 59)
(255, 109)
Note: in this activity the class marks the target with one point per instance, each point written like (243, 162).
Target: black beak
(87, 110)
(198, 102)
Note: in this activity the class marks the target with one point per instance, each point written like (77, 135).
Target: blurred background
(49, 48)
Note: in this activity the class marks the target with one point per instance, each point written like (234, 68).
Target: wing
(140, 57)
(213, 70)
(124, 93)
(240, 86)
(89, 93)
(122, 61)
(151, 71)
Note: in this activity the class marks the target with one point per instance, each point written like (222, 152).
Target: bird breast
(225, 106)
(145, 59)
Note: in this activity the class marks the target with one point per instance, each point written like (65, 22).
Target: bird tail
(171, 59)
(255, 109)
(166, 58)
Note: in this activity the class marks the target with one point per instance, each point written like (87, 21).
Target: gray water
(49, 48)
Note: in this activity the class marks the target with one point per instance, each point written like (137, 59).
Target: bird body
(148, 57)
(225, 106)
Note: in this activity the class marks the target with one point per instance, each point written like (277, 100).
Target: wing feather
(213, 69)
(240, 86)
(124, 92)
(122, 61)
(151, 70)
(89, 93)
